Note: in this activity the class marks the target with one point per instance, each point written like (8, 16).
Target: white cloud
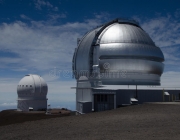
(41, 45)
(170, 79)
(38, 48)
(177, 13)
(25, 17)
(59, 91)
(54, 17)
(8, 104)
(56, 9)
(165, 32)
(41, 3)
(8, 86)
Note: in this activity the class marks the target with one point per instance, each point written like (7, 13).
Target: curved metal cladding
(81, 55)
(32, 91)
(124, 53)
(33, 85)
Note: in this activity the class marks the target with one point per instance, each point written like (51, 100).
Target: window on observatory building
(30, 85)
(105, 97)
(98, 97)
(22, 85)
(26, 85)
(103, 102)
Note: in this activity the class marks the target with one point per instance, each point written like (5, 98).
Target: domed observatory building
(32, 91)
(119, 52)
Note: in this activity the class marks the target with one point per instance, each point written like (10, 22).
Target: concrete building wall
(84, 107)
(123, 97)
(150, 96)
(87, 107)
(83, 95)
(79, 95)
(86, 94)
(23, 105)
(157, 95)
(174, 94)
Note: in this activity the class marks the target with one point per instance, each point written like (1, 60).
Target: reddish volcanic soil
(138, 122)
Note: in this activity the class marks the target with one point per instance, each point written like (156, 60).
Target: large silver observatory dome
(118, 53)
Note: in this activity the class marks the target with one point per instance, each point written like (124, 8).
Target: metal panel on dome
(131, 66)
(124, 33)
(127, 71)
(125, 50)
(82, 54)
(122, 45)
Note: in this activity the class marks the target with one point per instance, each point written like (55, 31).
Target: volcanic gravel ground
(138, 122)
(12, 116)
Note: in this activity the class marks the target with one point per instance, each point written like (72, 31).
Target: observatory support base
(37, 105)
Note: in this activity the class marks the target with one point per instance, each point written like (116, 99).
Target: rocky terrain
(12, 116)
(138, 122)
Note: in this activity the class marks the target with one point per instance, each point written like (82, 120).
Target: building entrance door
(103, 102)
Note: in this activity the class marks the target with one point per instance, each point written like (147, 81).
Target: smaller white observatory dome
(32, 91)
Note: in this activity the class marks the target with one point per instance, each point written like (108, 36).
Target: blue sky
(39, 37)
